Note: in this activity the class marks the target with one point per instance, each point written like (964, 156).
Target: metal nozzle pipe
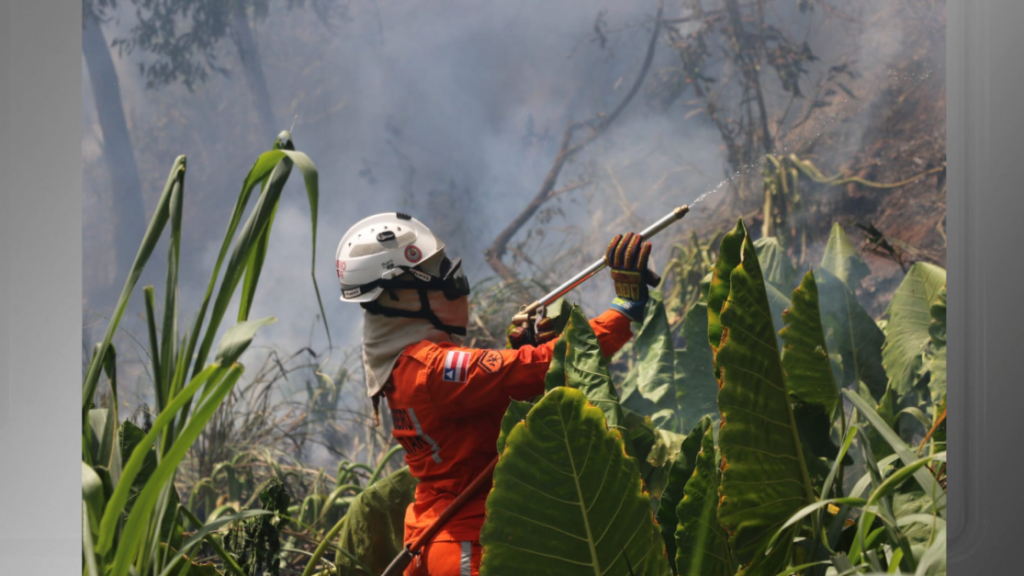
(527, 311)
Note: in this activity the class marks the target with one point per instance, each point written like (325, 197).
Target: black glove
(627, 257)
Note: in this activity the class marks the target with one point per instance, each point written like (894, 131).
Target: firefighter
(446, 400)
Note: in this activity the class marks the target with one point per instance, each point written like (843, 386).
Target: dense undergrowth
(761, 422)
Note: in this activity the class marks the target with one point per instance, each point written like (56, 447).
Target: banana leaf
(906, 333)
(567, 499)
(765, 478)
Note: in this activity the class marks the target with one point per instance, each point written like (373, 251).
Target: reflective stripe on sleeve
(419, 430)
(467, 558)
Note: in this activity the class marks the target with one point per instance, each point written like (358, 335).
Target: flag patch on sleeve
(456, 366)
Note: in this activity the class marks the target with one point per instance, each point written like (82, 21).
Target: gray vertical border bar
(5, 241)
(985, 135)
(40, 450)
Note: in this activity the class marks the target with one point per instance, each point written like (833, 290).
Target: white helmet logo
(412, 253)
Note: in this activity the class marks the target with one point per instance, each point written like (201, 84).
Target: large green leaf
(568, 500)
(842, 260)
(682, 470)
(696, 387)
(655, 450)
(851, 332)
(778, 303)
(805, 353)
(702, 544)
(579, 363)
(515, 414)
(765, 479)
(372, 530)
(775, 264)
(906, 333)
(648, 389)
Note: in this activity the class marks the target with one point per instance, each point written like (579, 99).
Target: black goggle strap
(453, 287)
(424, 312)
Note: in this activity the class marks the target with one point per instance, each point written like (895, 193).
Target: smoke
(450, 110)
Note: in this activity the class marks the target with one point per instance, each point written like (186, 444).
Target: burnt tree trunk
(128, 212)
(241, 35)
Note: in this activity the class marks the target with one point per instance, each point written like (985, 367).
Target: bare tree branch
(566, 151)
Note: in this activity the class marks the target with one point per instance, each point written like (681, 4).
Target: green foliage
(138, 527)
(255, 543)
(937, 332)
(775, 263)
(584, 483)
(907, 332)
(765, 477)
(702, 543)
(579, 363)
(566, 498)
(371, 531)
(682, 470)
(696, 387)
(805, 354)
(649, 388)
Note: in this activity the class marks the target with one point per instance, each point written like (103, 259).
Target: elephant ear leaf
(718, 290)
(765, 478)
(579, 363)
(567, 499)
(778, 268)
(649, 389)
(515, 414)
(682, 470)
(696, 387)
(852, 333)
(702, 545)
(805, 354)
(842, 260)
(907, 334)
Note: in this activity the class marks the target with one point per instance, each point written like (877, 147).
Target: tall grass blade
(164, 473)
(149, 241)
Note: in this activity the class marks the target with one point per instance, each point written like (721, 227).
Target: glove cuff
(633, 309)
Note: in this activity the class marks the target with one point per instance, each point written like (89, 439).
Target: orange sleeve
(463, 381)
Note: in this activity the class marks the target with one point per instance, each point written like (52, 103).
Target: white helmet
(380, 248)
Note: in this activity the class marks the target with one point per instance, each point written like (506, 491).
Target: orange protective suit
(446, 405)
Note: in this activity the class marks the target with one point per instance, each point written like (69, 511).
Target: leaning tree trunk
(241, 34)
(128, 213)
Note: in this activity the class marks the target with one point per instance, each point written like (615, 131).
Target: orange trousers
(447, 559)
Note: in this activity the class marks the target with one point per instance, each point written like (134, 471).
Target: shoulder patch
(490, 361)
(456, 366)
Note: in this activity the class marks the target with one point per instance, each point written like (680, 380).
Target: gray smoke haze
(450, 110)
